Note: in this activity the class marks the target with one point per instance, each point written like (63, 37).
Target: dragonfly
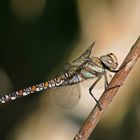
(66, 84)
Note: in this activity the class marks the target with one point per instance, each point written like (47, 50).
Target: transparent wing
(84, 56)
(66, 67)
(67, 96)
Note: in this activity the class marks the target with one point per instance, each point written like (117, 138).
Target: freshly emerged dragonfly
(66, 84)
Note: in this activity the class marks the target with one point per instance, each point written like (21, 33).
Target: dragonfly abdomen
(62, 80)
(74, 79)
(24, 92)
(32, 89)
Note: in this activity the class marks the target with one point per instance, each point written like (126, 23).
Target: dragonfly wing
(67, 96)
(85, 55)
(64, 69)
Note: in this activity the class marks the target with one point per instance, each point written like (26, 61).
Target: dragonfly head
(110, 61)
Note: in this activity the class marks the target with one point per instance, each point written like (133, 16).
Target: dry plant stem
(108, 95)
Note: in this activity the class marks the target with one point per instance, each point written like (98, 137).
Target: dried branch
(108, 95)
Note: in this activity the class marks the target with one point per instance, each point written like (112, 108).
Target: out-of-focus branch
(108, 95)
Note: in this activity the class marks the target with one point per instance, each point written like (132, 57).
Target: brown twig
(108, 95)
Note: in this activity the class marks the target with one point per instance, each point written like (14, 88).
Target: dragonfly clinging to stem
(83, 68)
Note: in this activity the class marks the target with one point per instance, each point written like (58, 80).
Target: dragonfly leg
(114, 87)
(106, 81)
(121, 66)
(90, 91)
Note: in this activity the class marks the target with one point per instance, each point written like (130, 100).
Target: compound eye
(110, 61)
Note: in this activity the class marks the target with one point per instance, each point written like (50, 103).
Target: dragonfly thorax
(93, 68)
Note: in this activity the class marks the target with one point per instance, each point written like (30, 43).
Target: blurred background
(37, 37)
